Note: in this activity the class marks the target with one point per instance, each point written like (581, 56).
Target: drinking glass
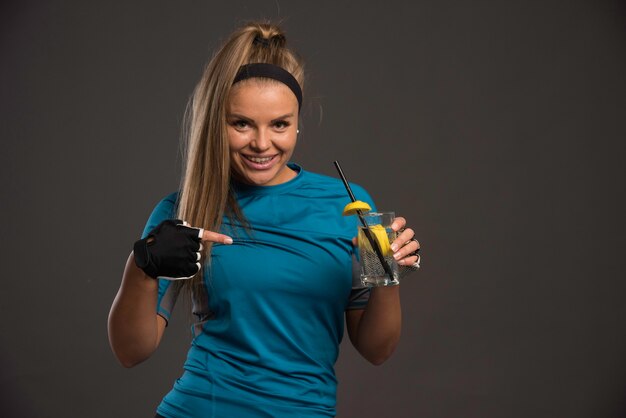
(373, 272)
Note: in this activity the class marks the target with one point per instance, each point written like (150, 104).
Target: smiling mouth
(259, 160)
(259, 163)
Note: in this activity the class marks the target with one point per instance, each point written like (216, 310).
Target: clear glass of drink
(378, 267)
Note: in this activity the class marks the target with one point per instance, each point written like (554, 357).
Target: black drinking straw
(366, 229)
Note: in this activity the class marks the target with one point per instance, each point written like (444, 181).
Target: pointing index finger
(215, 237)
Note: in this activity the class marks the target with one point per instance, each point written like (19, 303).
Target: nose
(261, 141)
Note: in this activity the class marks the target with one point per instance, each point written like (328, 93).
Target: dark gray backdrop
(496, 128)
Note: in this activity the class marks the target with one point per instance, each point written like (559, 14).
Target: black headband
(270, 71)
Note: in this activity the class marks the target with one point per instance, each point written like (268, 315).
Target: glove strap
(142, 258)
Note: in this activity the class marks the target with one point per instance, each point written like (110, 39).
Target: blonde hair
(205, 194)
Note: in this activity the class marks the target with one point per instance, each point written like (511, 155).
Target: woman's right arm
(135, 329)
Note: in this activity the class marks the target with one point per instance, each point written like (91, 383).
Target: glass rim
(380, 213)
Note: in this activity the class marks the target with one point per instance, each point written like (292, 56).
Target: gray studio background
(496, 128)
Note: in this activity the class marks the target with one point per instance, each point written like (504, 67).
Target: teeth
(259, 160)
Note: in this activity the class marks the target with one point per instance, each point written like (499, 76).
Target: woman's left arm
(375, 330)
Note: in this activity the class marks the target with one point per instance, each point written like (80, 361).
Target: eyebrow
(238, 116)
(287, 116)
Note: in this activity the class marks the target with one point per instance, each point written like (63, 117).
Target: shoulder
(334, 187)
(164, 209)
(168, 205)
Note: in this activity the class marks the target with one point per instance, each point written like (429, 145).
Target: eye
(239, 124)
(281, 125)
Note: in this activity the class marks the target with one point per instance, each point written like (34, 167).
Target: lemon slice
(352, 207)
(380, 235)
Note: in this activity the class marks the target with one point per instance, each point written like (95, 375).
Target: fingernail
(394, 247)
(228, 240)
(396, 256)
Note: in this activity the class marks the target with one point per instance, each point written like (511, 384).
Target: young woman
(264, 254)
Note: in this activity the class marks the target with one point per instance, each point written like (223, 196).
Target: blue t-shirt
(270, 313)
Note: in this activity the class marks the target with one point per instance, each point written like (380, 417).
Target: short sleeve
(168, 290)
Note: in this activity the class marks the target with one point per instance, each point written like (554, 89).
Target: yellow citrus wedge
(352, 207)
(380, 235)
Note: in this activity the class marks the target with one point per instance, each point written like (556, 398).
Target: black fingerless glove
(171, 250)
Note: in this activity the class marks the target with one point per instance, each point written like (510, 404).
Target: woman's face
(262, 123)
